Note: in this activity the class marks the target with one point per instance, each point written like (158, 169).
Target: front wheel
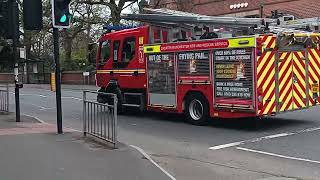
(197, 110)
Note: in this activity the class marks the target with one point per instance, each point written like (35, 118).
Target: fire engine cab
(169, 65)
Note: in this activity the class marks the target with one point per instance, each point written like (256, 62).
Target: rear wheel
(197, 110)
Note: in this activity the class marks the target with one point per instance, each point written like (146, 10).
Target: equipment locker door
(299, 91)
(161, 80)
(292, 86)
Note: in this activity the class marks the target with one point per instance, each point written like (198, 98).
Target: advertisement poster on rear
(233, 77)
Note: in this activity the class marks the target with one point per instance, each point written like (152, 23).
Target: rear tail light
(259, 46)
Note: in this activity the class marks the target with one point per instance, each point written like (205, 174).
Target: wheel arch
(189, 93)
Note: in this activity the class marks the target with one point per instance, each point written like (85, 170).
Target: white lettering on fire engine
(158, 57)
(192, 56)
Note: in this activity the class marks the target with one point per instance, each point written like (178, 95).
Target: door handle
(295, 80)
(135, 73)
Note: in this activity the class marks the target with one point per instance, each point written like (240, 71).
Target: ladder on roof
(178, 18)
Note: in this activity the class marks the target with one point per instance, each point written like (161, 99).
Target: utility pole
(261, 4)
(15, 40)
(61, 18)
(58, 79)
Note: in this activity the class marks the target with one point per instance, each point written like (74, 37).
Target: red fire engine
(157, 68)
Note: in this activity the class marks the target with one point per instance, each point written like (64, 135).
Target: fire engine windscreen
(104, 52)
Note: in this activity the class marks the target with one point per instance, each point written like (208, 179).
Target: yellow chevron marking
(300, 102)
(269, 91)
(312, 62)
(302, 80)
(266, 110)
(265, 71)
(272, 87)
(301, 55)
(285, 61)
(273, 44)
(287, 102)
(288, 86)
(264, 61)
(300, 91)
(296, 94)
(287, 75)
(268, 40)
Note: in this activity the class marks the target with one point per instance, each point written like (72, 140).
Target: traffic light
(32, 14)
(61, 16)
(6, 20)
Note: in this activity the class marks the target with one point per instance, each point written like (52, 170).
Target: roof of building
(298, 8)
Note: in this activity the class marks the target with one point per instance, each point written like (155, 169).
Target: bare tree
(85, 16)
(180, 5)
(114, 6)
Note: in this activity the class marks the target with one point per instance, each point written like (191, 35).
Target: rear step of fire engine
(134, 100)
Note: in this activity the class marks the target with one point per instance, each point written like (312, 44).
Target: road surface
(285, 146)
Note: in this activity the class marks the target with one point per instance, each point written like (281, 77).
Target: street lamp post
(261, 4)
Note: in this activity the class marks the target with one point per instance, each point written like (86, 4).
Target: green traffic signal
(61, 14)
(63, 19)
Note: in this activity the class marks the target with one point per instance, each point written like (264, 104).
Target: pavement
(32, 150)
(282, 147)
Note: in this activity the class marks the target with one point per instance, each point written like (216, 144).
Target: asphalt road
(283, 146)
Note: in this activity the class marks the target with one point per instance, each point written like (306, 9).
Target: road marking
(42, 108)
(79, 99)
(278, 155)
(153, 162)
(40, 95)
(226, 145)
(263, 138)
(38, 119)
(21, 94)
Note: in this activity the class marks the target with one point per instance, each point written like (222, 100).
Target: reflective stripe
(242, 42)
(124, 71)
(266, 76)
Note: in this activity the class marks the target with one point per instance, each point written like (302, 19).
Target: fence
(100, 120)
(4, 98)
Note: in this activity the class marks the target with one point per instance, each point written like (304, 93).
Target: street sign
(86, 73)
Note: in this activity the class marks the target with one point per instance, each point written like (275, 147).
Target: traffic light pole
(15, 40)
(58, 79)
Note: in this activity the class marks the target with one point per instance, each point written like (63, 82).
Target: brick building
(243, 8)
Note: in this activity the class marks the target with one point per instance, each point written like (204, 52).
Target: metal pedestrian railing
(4, 98)
(100, 120)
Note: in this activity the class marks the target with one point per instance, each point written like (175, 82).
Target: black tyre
(197, 109)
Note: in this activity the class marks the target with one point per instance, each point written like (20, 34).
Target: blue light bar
(118, 27)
